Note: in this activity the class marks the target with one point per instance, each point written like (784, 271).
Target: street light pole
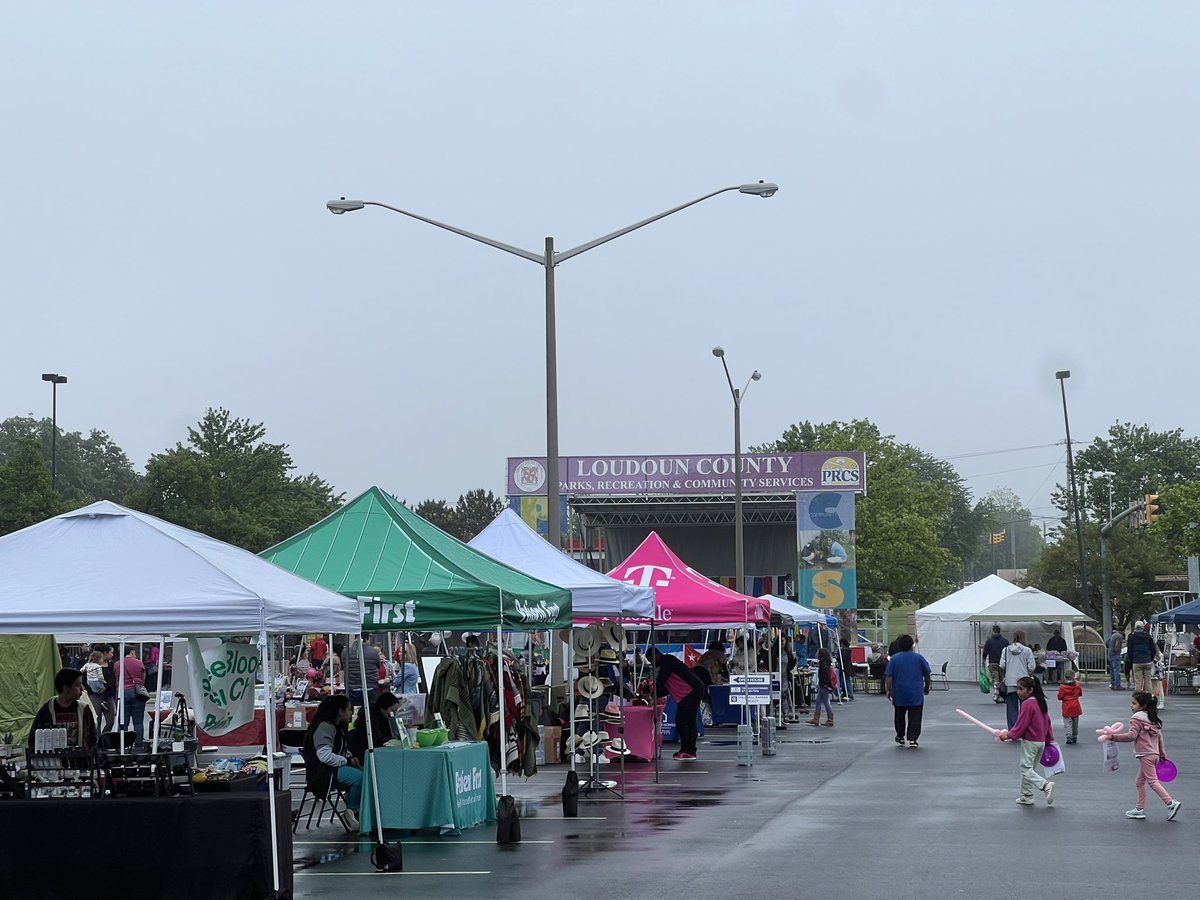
(548, 259)
(1085, 594)
(738, 396)
(55, 380)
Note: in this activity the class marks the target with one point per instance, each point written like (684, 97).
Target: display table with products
(216, 846)
(449, 787)
(254, 733)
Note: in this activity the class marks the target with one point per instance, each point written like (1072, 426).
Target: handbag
(1058, 766)
(985, 683)
(139, 690)
(1001, 690)
(1112, 760)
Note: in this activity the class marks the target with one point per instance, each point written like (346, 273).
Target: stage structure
(689, 500)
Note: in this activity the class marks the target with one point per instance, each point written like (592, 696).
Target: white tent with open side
(108, 570)
(800, 615)
(509, 540)
(954, 628)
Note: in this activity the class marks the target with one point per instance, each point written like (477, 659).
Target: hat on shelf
(583, 661)
(576, 740)
(590, 687)
(619, 748)
(608, 657)
(582, 711)
(588, 740)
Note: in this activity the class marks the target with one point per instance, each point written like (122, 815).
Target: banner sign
(226, 677)
(825, 540)
(534, 510)
(762, 473)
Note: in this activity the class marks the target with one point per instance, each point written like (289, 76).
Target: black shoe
(912, 745)
(900, 740)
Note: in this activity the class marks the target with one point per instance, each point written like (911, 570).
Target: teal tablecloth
(449, 787)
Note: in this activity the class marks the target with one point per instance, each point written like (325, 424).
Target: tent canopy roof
(684, 597)
(415, 575)
(511, 541)
(801, 615)
(1188, 614)
(105, 569)
(995, 600)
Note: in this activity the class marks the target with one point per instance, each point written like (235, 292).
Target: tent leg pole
(503, 737)
(121, 698)
(264, 650)
(158, 683)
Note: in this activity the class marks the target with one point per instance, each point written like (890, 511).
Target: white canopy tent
(105, 569)
(510, 541)
(800, 615)
(953, 629)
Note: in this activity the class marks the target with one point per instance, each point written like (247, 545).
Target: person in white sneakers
(1145, 733)
(1033, 729)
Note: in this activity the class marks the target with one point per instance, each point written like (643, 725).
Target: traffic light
(1152, 508)
(997, 537)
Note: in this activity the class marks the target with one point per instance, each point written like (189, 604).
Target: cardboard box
(551, 741)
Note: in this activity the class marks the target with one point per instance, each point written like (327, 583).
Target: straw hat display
(586, 641)
(619, 748)
(613, 634)
(590, 686)
(608, 657)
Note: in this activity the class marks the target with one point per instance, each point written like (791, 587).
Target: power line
(1007, 450)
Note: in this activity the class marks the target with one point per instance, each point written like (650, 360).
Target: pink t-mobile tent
(683, 597)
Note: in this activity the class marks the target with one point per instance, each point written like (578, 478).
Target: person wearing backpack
(1016, 662)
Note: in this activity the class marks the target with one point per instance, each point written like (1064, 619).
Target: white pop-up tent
(509, 540)
(800, 615)
(108, 570)
(954, 628)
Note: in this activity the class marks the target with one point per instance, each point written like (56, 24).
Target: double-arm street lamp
(1084, 593)
(55, 380)
(738, 396)
(548, 259)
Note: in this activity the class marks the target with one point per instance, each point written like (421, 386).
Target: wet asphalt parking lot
(838, 812)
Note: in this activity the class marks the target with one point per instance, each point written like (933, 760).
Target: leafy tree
(231, 484)
(88, 468)
(439, 513)
(1135, 556)
(1180, 524)
(1002, 511)
(475, 511)
(26, 495)
(905, 519)
(1141, 462)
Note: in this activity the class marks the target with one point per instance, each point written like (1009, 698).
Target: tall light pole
(55, 380)
(548, 259)
(1085, 594)
(738, 396)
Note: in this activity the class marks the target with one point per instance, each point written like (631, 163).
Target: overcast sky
(972, 196)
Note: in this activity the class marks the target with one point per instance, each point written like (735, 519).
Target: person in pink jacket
(1033, 729)
(1145, 733)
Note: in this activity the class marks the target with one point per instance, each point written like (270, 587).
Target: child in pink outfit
(1145, 733)
(1033, 729)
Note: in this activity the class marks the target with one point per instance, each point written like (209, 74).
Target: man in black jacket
(1058, 645)
(681, 684)
(993, 647)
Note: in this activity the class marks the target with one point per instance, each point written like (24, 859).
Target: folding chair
(940, 677)
(320, 787)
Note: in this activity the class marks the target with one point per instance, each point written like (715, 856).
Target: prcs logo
(840, 471)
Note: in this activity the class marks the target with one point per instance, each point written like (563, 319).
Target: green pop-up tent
(418, 578)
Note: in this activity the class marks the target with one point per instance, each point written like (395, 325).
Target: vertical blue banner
(825, 542)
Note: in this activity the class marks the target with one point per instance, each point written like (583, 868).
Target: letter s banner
(828, 588)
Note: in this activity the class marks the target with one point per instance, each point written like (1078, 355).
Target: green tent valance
(415, 576)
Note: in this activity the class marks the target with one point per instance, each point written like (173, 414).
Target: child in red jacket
(1069, 693)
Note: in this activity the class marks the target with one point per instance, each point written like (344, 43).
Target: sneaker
(1049, 789)
(678, 754)
(350, 821)
(687, 757)
(900, 740)
(1135, 814)
(912, 745)
(1025, 801)
(1172, 809)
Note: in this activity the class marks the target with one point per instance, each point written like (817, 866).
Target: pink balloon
(1165, 769)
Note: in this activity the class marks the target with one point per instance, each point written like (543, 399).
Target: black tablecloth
(215, 845)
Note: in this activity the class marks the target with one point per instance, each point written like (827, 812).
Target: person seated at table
(66, 711)
(326, 751)
(381, 732)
